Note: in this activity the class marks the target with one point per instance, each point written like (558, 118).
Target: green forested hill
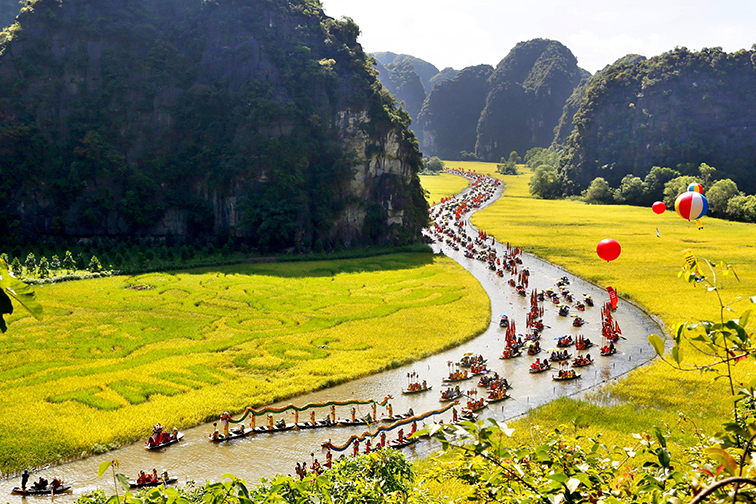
(248, 118)
(529, 88)
(572, 105)
(679, 109)
(401, 80)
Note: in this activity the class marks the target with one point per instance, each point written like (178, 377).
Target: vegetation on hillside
(198, 119)
(678, 109)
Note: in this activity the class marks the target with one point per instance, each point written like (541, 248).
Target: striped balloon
(691, 205)
(695, 187)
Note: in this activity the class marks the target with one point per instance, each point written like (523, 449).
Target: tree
(676, 187)
(434, 164)
(30, 264)
(719, 196)
(514, 158)
(599, 192)
(706, 172)
(742, 208)
(55, 262)
(655, 181)
(631, 190)
(43, 268)
(94, 265)
(545, 182)
(16, 267)
(68, 261)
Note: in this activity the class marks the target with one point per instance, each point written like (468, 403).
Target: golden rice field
(113, 356)
(441, 186)
(567, 232)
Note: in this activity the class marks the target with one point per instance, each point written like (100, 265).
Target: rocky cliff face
(678, 110)
(528, 91)
(252, 118)
(447, 123)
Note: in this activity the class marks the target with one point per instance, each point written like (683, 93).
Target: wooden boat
(581, 363)
(161, 481)
(463, 377)
(178, 438)
(348, 422)
(452, 397)
(494, 398)
(565, 378)
(474, 406)
(396, 443)
(564, 341)
(396, 418)
(469, 360)
(534, 350)
(504, 322)
(541, 369)
(237, 433)
(583, 344)
(417, 391)
(48, 490)
(607, 352)
(515, 352)
(578, 322)
(318, 424)
(276, 428)
(557, 357)
(564, 310)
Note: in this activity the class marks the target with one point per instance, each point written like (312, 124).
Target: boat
(564, 310)
(569, 375)
(607, 351)
(498, 397)
(578, 322)
(318, 424)
(542, 368)
(457, 377)
(559, 356)
(48, 490)
(348, 422)
(581, 361)
(473, 406)
(583, 343)
(161, 481)
(236, 433)
(564, 341)
(504, 322)
(401, 443)
(534, 350)
(451, 395)
(163, 444)
(469, 360)
(510, 353)
(417, 391)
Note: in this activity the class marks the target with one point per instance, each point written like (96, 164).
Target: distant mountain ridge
(9, 9)
(517, 107)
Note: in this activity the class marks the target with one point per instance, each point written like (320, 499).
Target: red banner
(612, 297)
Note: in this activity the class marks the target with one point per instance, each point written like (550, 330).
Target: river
(263, 455)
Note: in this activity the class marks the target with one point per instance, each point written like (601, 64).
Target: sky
(461, 33)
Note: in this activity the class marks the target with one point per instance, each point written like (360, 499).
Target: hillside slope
(249, 118)
(678, 110)
(529, 88)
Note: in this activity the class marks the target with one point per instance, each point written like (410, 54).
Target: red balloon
(608, 249)
(659, 207)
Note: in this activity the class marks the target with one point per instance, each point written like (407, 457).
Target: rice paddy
(115, 355)
(567, 232)
(441, 186)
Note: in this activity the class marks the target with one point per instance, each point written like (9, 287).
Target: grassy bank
(566, 233)
(115, 355)
(442, 185)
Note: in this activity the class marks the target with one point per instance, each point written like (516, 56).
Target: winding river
(263, 455)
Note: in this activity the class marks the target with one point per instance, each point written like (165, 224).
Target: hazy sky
(460, 33)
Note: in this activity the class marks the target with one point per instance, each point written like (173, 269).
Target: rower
(312, 417)
(354, 412)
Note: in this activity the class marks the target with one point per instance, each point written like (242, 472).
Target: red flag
(612, 297)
